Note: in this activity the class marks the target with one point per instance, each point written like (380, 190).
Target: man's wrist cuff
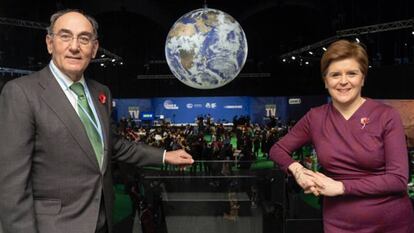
(163, 157)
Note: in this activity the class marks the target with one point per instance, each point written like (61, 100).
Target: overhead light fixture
(324, 49)
(284, 59)
(357, 40)
(293, 58)
(113, 60)
(412, 32)
(310, 52)
(306, 63)
(103, 65)
(103, 55)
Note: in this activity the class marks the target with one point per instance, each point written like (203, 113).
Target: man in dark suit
(56, 143)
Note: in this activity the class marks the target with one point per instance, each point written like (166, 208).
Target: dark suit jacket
(50, 181)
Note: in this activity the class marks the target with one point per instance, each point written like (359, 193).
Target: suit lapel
(101, 111)
(56, 99)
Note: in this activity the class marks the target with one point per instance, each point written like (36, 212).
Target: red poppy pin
(102, 98)
(364, 122)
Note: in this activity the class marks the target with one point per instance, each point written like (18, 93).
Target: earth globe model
(206, 48)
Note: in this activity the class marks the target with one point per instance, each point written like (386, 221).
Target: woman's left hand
(330, 188)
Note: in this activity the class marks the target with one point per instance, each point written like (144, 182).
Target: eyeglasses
(67, 37)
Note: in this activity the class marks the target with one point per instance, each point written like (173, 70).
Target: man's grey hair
(58, 14)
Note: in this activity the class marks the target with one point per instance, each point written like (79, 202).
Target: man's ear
(49, 44)
(95, 48)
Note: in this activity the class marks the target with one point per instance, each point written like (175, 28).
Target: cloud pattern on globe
(206, 48)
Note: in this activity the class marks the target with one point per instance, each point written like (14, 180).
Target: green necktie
(89, 126)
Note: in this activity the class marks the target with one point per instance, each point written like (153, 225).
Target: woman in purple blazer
(361, 146)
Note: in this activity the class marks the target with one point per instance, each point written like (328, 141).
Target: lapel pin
(364, 122)
(102, 98)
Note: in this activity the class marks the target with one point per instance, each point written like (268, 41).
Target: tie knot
(78, 89)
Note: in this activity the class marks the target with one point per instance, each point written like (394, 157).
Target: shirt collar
(62, 77)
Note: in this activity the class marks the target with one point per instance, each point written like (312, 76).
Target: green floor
(123, 204)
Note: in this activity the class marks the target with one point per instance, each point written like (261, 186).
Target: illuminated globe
(206, 48)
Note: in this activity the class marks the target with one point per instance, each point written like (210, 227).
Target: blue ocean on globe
(206, 48)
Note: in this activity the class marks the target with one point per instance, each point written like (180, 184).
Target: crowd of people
(208, 141)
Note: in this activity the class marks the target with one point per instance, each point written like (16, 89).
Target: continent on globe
(206, 48)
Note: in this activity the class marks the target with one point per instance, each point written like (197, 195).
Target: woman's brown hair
(343, 49)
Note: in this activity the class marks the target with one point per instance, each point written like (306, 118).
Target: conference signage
(133, 112)
(182, 110)
(170, 105)
(295, 101)
(186, 110)
(270, 110)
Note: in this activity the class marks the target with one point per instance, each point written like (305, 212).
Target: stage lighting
(103, 55)
(357, 40)
(324, 49)
(412, 32)
(293, 58)
(284, 59)
(113, 60)
(306, 62)
(310, 52)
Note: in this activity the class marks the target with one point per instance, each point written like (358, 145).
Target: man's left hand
(178, 157)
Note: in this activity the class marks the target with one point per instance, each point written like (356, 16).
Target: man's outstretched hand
(178, 157)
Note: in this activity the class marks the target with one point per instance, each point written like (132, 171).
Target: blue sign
(182, 110)
(187, 109)
(132, 107)
(147, 116)
(262, 108)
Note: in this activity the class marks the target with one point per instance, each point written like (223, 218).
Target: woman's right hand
(305, 178)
